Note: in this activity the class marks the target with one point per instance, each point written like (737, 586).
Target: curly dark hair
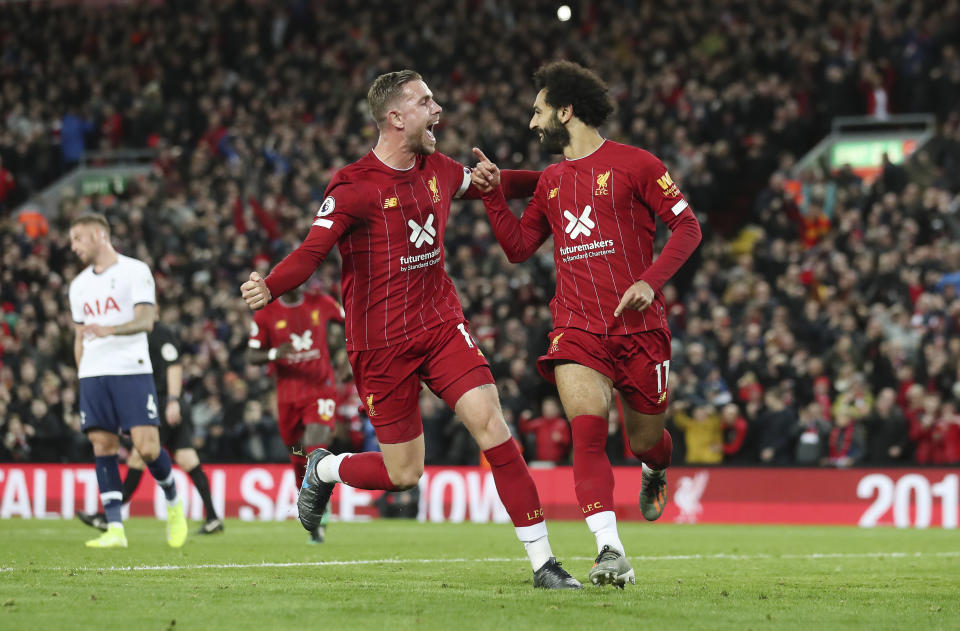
(568, 83)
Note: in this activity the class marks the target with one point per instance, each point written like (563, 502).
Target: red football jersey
(601, 212)
(304, 325)
(389, 225)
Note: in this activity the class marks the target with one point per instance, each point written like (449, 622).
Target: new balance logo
(422, 234)
(302, 342)
(579, 225)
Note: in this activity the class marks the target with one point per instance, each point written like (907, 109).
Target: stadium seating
(818, 323)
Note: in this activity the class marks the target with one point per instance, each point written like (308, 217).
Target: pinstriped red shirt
(304, 326)
(389, 225)
(601, 210)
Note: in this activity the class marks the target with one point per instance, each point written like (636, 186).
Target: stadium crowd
(819, 328)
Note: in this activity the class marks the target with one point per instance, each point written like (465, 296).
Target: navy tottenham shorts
(116, 403)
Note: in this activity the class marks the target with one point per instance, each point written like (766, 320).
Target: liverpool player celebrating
(292, 333)
(387, 212)
(610, 329)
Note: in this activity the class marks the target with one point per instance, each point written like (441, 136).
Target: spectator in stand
(257, 437)
(703, 432)
(74, 129)
(812, 434)
(776, 424)
(855, 400)
(16, 440)
(550, 433)
(887, 432)
(437, 419)
(447, 440)
(923, 421)
(736, 436)
(946, 436)
(49, 442)
(845, 443)
(7, 184)
(618, 450)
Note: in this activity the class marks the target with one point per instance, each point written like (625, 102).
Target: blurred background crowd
(820, 328)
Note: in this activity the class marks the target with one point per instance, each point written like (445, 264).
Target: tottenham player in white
(113, 302)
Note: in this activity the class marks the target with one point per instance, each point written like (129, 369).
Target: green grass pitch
(405, 575)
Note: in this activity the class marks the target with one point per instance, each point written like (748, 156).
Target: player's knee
(487, 427)
(134, 461)
(640, 444)
(149, 452)
(644, 439)
(495, 430)
(187, 459)
(406, 478)
(103, 444)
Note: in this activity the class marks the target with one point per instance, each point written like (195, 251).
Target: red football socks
(366, 471)
(514, 484)
(592, 473)
(299, 467)
(659, 456)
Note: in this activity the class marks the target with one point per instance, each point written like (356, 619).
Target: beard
(420, 148)
(419, 145)
(554, 136)
(84, 257)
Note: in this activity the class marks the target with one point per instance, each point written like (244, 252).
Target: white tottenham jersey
(108, 298)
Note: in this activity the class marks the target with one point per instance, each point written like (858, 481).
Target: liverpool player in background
(292, 333)
(610, 330)
(387, 212)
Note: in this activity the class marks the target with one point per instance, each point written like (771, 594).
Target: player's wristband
(272, 354)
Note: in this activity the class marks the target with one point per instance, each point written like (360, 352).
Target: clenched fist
(255, 292)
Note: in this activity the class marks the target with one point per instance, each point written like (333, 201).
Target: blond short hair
(385, 89)
(95, 219)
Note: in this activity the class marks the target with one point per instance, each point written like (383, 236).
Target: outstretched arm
(331, 222)
(516, 184)
(299, 265)
(519, 238)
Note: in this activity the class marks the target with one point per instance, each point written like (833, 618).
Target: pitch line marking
(670, 557)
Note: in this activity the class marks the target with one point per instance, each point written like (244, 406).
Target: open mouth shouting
(430, 129)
